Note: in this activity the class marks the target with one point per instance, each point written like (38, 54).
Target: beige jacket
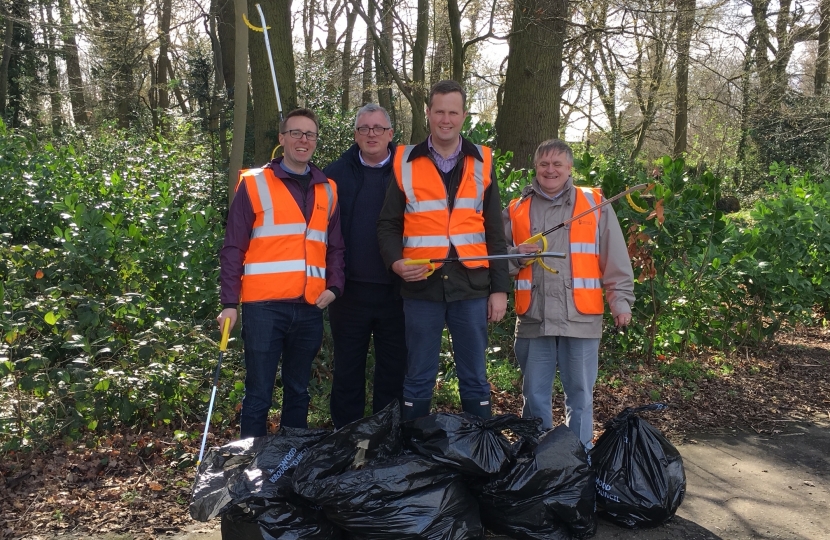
(552, 311)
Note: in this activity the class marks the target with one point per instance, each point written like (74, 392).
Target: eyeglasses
(377, 130)
(298, 134)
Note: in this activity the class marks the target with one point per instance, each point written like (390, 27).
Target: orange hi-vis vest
(429, 227)
(286, 258)
(584, 251)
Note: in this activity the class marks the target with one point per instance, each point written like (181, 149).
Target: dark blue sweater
(361, 191)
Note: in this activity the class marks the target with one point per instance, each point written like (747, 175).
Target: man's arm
(494, 236)
(232, 255)
(390, 225)
(615, 265)
(335, 256)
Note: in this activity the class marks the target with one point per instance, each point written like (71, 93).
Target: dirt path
(740, 486)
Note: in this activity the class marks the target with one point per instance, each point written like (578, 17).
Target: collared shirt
(284, 167)
(445, 164)
(548, 197)
(379, 165)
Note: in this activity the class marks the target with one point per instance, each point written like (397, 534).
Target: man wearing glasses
(371, 306)
(283, 257)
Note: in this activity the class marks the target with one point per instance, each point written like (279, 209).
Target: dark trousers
(272, 330)
(467, 323)
(366, 310)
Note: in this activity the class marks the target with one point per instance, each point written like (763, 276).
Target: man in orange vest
(560, 314)
(445, 203)
(283, 258)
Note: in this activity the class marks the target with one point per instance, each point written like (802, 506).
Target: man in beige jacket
(560, 314)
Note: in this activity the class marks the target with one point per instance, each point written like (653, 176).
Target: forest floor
(138, 484)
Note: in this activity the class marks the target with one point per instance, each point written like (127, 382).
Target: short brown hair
(447, 87)
(308, 113)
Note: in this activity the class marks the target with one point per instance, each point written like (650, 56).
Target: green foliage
(108, 274)
(706, 280)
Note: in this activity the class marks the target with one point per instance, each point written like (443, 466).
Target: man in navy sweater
(371, 306)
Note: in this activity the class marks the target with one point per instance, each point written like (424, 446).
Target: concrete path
(740, 486)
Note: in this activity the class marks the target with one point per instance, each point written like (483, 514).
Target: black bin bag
(250, 481)
(548, 494)
(467, 443)
(640, 476)
(366, 486)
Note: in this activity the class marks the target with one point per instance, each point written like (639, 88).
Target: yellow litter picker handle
(417, 262)
(226, 334)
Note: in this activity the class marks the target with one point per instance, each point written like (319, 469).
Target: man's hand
(622, 320)
(527, 248)
(496, 306)
(227, 313)
(416, 272)
(326, 297)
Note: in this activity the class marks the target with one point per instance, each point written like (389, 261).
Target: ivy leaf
(50, 318)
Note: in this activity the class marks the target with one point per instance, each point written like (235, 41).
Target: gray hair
(370, 108)
(553, 146)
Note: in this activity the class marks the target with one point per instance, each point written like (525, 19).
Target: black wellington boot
(477, 406)
(414, 408)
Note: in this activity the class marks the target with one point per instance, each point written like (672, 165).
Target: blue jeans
(270, 330)
(577, 359)
(467, 323)
(366, 311)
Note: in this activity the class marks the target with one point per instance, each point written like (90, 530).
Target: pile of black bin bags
(443, 476)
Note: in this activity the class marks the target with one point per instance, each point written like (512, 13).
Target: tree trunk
(163, 66)
(308, 26)
(368, 53)
(346, 77)
(4, 68)
(419, 53)
(217, 103)
(384, 78)
(240, 103)
(457, 43)
(685, 23)
(225, 31)
(330, 53)
(266, 117)
(823, 56)
(48, 23)
(73, 65)
(532, 92)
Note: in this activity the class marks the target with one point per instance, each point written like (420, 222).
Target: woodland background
(125, 123)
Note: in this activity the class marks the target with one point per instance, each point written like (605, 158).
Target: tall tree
(8, 36)
(266, 117)
(685, 25)
(823, 56)
(532, 87)
(80, 113)
(48, 23)
(240, 102)
(368, 56)
(159, 91)
(347, 68)
(383, 46)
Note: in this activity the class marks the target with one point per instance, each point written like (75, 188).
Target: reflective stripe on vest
(286, 257)
(429, 227)
(519, 211)
(584, 248)
(584, 252)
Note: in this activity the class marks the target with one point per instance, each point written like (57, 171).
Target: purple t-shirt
(238, 236)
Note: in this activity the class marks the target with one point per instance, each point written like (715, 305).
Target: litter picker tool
(509, 256)
(541, 236)
(270, 59)
(226, 330)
